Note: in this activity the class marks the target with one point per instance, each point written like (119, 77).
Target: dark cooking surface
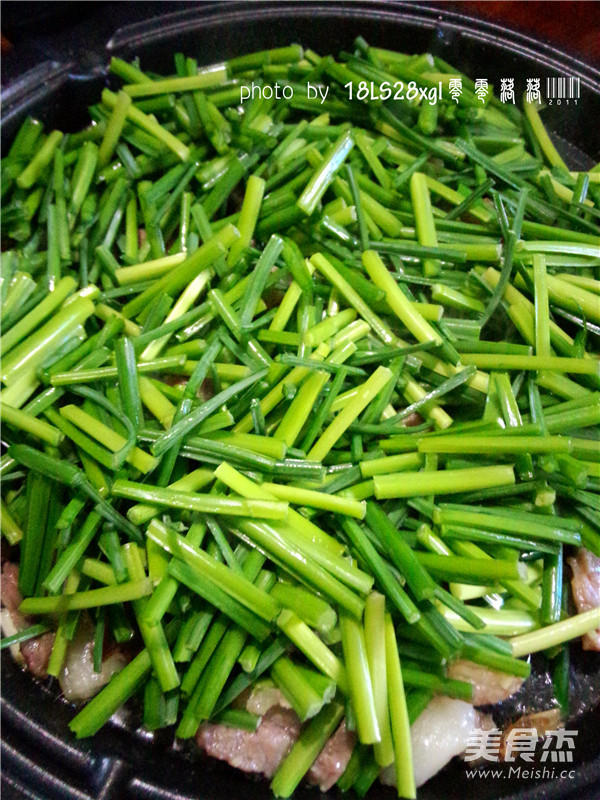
(67, 31)
(40, 759)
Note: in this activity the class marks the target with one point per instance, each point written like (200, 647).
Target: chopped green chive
(343, 439)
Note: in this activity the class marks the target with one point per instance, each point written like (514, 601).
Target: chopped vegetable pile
(301, 389)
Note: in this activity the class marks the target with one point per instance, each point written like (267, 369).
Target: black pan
(40, 759)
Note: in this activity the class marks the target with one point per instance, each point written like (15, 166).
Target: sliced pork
(78, 680)
(333, 759)
(35, 653)
(585, 584)
(261, 698)
(489, 685)
(441, 732)
(9, 590)
(540, 721)
(261, 750)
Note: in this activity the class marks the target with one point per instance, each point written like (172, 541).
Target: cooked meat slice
(263, 697)
(483, 722)
(489, 685)
(261, 750)
(541, 721)
(9, 590)
(35, 652)
(586, 579)
(333, 759)
(9, 629)
(585, 584)
(78, 680)
(441, 732)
